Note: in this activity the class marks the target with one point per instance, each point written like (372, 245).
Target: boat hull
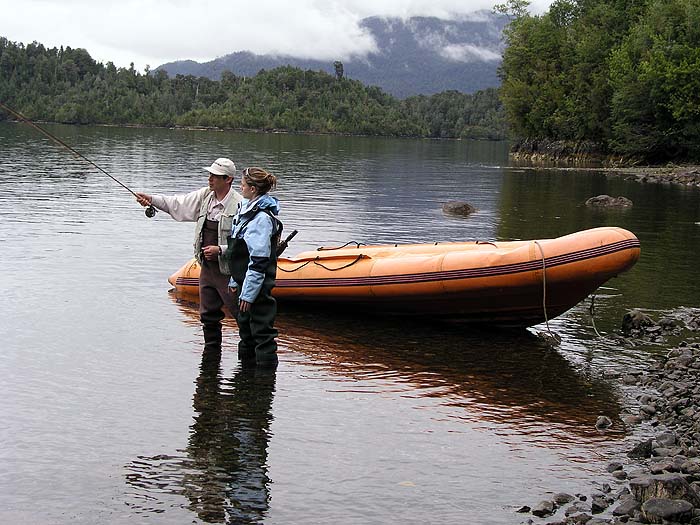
(516, 283)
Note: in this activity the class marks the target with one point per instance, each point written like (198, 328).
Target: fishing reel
(150, 211)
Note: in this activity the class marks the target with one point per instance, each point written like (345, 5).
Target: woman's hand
(212, 252)
(243, 306)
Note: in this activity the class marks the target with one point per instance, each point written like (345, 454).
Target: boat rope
(544, 285)
(150, 210)
(294, 269)
(357, 245)
(591, 310)
(357, 259)
(486, 242)
(315, 261)
(544, 293)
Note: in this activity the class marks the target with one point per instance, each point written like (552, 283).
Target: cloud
(469, 53)
(449, 42)
(157, 31)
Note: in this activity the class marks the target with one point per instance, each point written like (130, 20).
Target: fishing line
(150, 210)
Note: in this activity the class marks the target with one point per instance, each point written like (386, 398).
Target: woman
(252, 260)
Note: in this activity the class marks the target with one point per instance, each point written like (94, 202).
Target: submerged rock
(641, 450)
(636, 320)
(603, 422)
(458, 208)
(543, 509)
(598, 504)
(606, 201)
(562, 497)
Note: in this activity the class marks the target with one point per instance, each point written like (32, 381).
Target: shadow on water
(223, 472)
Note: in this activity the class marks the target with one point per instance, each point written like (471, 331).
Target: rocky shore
(658, 481)
(586, 155)
(685, 175)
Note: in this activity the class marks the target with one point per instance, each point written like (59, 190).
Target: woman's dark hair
(260, 179)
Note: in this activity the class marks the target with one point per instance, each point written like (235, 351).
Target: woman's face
(247, 190)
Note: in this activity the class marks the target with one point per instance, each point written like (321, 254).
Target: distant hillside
(416, 56)
(67, 85)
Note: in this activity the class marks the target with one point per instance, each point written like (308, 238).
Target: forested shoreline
(588, 78)
(66, 85)
(623, 76)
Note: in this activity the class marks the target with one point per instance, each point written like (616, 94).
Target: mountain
(420, 55)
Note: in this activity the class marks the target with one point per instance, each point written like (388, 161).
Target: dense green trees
(655, 74)
(67, 85)
(624, 74)
(454, 114)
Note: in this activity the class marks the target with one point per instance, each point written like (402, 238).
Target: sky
(153, 32)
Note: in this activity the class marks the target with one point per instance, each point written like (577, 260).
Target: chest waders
(213, 291)
(257, 343)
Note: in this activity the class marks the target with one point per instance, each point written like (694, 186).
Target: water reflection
(224, 473)
(547, 203)
(509, 378)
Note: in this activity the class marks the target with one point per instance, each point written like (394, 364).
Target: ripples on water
(113, 415)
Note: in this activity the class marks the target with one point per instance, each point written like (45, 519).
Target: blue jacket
(257, 234)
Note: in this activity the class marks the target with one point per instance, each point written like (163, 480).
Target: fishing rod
(150, 210)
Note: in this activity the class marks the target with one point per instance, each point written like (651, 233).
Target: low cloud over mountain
(415, 56)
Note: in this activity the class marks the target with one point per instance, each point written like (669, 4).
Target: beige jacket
(192, 207)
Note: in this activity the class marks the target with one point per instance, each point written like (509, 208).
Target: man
(213, 209)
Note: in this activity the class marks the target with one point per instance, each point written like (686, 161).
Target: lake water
(112, 414)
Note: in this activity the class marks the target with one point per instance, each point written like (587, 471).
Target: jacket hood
(263, 202)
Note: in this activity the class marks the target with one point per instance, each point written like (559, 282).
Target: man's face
(218, 183)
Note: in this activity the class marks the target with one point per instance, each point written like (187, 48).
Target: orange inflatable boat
(514, 283)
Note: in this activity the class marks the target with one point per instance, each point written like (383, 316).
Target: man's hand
(144, 199)
(211, 253)
(243, 306)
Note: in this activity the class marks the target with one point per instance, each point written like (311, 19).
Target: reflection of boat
(484, 282)
(509, 378)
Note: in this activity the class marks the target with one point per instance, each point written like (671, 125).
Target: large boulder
(664, 486)
(662, 510)
(606, 201)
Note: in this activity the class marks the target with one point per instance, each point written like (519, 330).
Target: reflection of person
(212, 208)
(252, 260)
(227, 481)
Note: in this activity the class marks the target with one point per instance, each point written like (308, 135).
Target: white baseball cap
(222, 167)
